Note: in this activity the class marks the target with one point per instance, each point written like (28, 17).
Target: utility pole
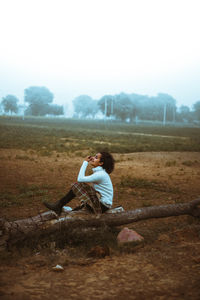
(112, 106)
(105, 112)
(23, 112)
(23, 109)
(164, 114)
(174, 114)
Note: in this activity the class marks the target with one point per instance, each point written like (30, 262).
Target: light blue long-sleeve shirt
(101, 182)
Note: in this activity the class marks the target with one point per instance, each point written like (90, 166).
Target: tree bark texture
(46, 223)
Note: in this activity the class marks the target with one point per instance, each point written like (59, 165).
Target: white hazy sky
(99, 47)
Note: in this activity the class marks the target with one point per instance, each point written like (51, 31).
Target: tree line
(38, 103)
(123, 106)
(134, 107)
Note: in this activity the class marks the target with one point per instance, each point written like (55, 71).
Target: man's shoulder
(103, 174)
(100, 173)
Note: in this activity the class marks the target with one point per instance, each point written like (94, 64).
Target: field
(155, 165)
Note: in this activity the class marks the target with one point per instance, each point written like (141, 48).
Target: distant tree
(137, 106)
(106, 105)
(143, 107)
(130, 107)
(127, 106)
(38, 99)
(167, 106)
(85, 106)
(9, 104)
(123, 107)
(184, 114)
(196, 107)
(56, 110)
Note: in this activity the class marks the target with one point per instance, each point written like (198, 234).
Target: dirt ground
(165, 266)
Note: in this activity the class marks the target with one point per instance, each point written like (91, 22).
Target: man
(96, 198)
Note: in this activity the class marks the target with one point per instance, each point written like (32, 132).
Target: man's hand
(88, 158)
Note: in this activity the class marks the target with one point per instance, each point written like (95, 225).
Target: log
(48, 223)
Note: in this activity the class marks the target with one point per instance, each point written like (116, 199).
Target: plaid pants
(88, 196)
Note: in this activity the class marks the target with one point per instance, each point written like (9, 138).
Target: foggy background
(102, 47)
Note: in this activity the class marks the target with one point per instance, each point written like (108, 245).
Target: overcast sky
(99, 47)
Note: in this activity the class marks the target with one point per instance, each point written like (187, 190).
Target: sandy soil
(166, 266)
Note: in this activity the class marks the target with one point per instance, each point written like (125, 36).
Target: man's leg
(57, 207)
(88, 197)
(103, 208)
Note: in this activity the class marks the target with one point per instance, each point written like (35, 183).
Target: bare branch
(48, 222)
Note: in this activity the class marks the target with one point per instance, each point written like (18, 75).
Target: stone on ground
(127, 235)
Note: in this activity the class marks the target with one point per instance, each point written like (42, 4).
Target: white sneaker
(66, 209)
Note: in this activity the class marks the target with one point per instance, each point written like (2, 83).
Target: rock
(127, 235)
(163, 238)
(58, 268)
(38, 261)
(99, 251)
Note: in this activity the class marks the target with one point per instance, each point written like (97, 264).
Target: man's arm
(91, 178)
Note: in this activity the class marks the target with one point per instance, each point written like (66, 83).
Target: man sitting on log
(97, 198)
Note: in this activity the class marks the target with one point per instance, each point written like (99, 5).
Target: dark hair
(108, 161)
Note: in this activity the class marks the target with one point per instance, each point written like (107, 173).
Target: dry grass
(65, 135)
(35, 166)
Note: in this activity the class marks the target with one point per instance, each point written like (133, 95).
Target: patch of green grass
(142, 183)
(189, 163)
(145, 204)
(24, 157)
(79, 154)
(6, 199)
(45, 152)
(128, 181)
(170, 163)
(26, 194)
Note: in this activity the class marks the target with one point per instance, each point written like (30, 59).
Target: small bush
(24, 157)
(170, 163)
(128, 181)
(188, 163)
(133, 182)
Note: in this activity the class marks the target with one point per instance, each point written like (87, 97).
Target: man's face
(95, 160)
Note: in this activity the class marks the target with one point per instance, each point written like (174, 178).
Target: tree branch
(48, 222)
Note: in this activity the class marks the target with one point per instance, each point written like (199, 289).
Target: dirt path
(166, 266)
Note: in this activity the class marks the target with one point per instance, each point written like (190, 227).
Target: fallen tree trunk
(42, 224)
